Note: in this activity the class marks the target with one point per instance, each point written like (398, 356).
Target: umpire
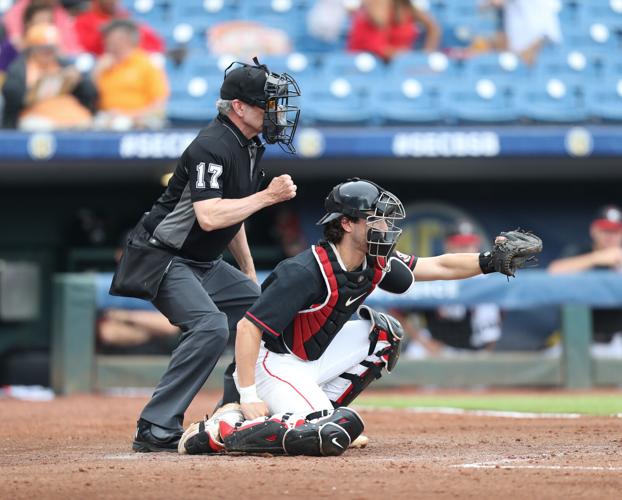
(173, 257)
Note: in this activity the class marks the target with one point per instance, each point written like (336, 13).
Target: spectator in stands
(326, 19)
(35, 13)
(43, 92)
(605, 253)
(454, 328)
(133, 90)
(89, 26)
(528, 26)
(387, 27)
(135, 331)
(14, 24)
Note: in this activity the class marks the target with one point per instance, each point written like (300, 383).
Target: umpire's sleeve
(207, 171)
(289, 289)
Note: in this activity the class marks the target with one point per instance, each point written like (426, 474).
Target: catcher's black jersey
(219, 163)
(308, 298)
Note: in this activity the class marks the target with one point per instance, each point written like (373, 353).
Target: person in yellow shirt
(132, 89)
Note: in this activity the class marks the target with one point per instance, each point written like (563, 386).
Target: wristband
(249, 394)
(486, 263)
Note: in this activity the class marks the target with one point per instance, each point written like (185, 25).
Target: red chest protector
(313, 329)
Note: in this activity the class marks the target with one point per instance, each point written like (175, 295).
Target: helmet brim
(327, 218)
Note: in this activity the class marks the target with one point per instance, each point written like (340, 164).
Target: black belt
(157, 243)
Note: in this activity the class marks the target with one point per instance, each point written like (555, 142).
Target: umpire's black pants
(205, 300)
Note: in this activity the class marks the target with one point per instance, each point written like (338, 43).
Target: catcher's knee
(385, 328)
(326, 433)
(327, 439)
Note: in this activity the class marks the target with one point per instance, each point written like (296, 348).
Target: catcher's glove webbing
(512, 250)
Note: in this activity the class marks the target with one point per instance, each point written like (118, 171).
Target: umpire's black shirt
(219, 163)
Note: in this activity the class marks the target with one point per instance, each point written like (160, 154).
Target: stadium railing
(77, 368)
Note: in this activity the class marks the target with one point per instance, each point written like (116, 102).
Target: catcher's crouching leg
(204, 437)
(385, 339)
(326, 433)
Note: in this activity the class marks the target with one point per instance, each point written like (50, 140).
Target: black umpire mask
(273, 92)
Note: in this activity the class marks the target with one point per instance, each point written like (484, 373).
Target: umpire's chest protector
(314, 329)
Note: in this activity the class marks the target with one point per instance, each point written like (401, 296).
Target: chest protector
(314, 329)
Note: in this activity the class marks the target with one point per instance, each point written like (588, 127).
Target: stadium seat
(573, 65)
(553, 100)
(258, 8)
(483, 100)
(421, 65)
(567, 11)
(286, 15)
(505, 65)
(334, 102)
(192, 99)
(609, 11)
(603, 99)
(148, 11)
(408, 100)
(347, 65)
(187, 34)
(461, 30)
(458, 8)
(295, 64)
(612, 66)
(197, 63)
(592, 33)
(360, 70)
(204, 13)
(434, 7)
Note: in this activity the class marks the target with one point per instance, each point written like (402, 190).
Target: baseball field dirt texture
(80, 447)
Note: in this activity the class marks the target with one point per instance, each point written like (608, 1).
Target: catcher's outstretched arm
(450, 266)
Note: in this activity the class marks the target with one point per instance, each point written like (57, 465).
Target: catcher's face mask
(362, 199)
(382, 229)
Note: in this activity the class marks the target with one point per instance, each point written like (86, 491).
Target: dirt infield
(80, 447)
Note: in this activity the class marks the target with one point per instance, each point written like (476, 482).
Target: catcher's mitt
(512, 250)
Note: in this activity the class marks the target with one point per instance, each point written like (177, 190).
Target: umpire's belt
(154, 242)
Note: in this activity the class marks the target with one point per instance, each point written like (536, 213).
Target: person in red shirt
(388, 27)
(14, 24)
(90, 23)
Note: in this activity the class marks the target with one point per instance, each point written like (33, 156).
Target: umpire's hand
(282, 188)
(254, 410)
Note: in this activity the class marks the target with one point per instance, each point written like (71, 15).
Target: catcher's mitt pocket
(141, 269)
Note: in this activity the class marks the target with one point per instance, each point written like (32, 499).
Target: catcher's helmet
(362, 199)
(258, 86)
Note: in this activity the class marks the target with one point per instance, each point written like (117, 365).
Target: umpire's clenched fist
(282, 188)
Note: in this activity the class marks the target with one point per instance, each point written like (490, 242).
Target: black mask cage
(282, 115)
(281, 112)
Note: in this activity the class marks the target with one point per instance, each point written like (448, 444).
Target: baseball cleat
(199, 438)
(204, 437)
(152, 438)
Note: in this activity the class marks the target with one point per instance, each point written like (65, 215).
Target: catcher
(297, 349)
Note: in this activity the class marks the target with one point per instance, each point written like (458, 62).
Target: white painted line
(123, 456)
(503, 465)
(476, 413)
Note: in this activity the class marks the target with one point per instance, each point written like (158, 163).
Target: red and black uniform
(308, 298)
